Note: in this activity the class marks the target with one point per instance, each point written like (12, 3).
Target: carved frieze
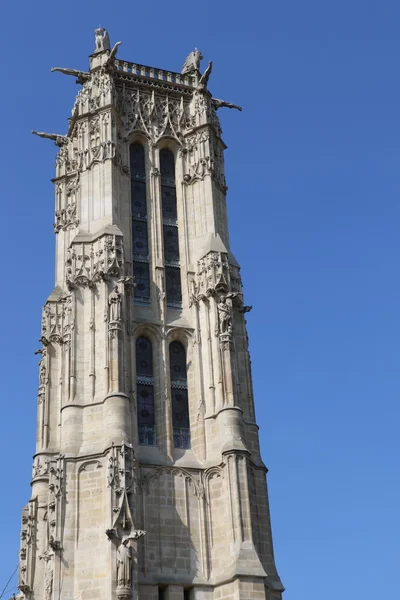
(213, 274)
(92, 141)
(122, 481)
(151, 114)
(27, 548)
(55, 501)
(203, 156)
(57, 324)
(66, 204)
(91, 262)
(40, 467)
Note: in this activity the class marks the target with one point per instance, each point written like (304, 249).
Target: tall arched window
(140, 241)
(179, 395)
(170, 229)
(145, 392)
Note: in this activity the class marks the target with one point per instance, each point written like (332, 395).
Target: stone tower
(147, 479)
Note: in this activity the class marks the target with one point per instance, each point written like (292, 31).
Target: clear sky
(313, 173)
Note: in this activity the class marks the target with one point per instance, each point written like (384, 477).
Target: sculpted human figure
(224, 316)
(124, 563)
(48, 574)
(114, 301)
(42, 373)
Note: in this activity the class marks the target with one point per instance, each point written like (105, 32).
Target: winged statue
(192, 62)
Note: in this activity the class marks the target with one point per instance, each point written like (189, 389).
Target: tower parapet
(147, 480)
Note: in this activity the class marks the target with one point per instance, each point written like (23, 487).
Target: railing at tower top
(152, 73)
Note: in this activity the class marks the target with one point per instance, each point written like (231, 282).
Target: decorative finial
(192, 62)
(102, 40)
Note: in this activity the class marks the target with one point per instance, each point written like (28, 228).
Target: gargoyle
(109, 64)
(59, 140)
(81, 76)
(221, 104)
(202, 85)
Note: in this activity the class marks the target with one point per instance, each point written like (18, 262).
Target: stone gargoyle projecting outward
(202, 87)
(222, 104)
(203, 81)
(81, 76)
(59, 140)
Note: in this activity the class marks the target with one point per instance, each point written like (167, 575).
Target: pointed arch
(198, 488)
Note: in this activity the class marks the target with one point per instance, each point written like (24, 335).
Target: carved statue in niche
(192, 62)
(224, 316)
(102, 40)
(114, 302)
(124, 563)
(42, 372)
(48, 557)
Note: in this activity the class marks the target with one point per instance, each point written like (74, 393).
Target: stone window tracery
(170, 228)
(145, 392)
(179, 395)
(140, 237)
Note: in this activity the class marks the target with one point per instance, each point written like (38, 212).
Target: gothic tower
(147, 479)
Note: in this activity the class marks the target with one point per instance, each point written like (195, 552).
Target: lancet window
(179, 395)
(145, 392)
(170, 229)
(140, 237)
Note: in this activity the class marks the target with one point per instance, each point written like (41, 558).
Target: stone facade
(127, 500)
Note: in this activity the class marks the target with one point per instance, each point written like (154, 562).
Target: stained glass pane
(171, 244)
(177, 361)
(140, 238)
(145, 391)
(142, 281)
(139, 204)
(137, 162)
(144, 357)
(168, 189)
(173, 286)
(180, 408)
(167, 166)
(168, 200)
(138, 181)
(179, 395)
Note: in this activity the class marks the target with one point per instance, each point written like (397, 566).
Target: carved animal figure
(59, 140)
(102, 40)
(192, 62)
(221, 104)
(81, 76)
(203, 81)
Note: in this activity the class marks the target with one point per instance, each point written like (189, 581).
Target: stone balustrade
(153, 73)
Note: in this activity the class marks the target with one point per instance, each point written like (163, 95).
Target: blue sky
(313, 173)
